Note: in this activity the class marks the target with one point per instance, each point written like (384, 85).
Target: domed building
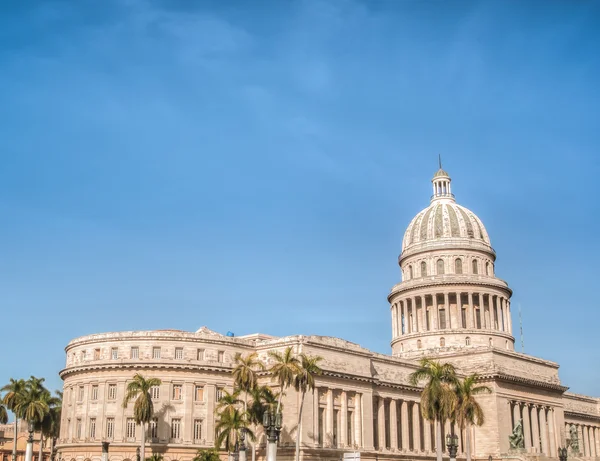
(449, 306)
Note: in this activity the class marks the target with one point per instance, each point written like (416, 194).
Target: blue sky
(252, 166)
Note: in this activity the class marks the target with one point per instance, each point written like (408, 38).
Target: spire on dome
(441, 184)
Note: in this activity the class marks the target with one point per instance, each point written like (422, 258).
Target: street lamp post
(242, 445)
(29, 448)
(562, 454)
(272, 425)
(452, 444)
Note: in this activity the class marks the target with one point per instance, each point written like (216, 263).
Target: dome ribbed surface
(444, 220)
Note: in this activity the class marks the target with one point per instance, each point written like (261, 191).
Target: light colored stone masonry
(450, 305)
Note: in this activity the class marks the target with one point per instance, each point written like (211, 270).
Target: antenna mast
(521, 329)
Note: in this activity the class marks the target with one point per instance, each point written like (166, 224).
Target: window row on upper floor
(153, 352)
(440, 267)
(77, 393)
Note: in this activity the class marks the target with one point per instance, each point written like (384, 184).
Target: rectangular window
(219, 393)
(153, 429)
(135, 352)
(495, 317)
(130, 428)
(442, 313)
(321, 427)
(78, 429)
(156, 352)
(179, 353)
(175, 428)
(80, 394)
(200, 354)
(96, 354)
(154, 392)
(478, 318)
(427, 319)
(199, 394)
(95, 392)
(177, 391)
(92, 428)
(83, 355)
(114, 353)
(197, 430)
(110, 428)
(112, 391)
(220, 356)
(463, 317)
(350, 435)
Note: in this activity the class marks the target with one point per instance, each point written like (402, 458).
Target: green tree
(229, 402)
(155, 457)
(143, 409)
(207, 455)
(45, 425)
(33, 403)
(438, 399)
(245, 373)
(228, 428)
(14, 393)
(263, 398)
(304, 381)
(468, 411)
(283, 370)
(50, 426)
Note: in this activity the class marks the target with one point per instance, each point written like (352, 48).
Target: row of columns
(399, 426)
(338, 418)
(413, 314)
(539, 427)
(589, 439)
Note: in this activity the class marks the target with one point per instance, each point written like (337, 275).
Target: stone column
(434, 312)
(535, 428)
(526, 427)
(394, 324)
(416, 422)
(393, 425)
(509, 316)
(586, 441)
(597, 440)
(403, 317)
(502, 320)
(473, 323)
(405, 432)
(415, 315)
(551, 432)
(316, 428)
(423, 314)
(343, 429)
(211, 394)
(427, 436)
(544, 432)
(328, 442)
(381, 423)
(448, 311)
(516, 407)
(358, 420)
(367, 416)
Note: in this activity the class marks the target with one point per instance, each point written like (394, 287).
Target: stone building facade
(450, 306)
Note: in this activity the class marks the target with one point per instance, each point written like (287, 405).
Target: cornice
(575, 414)
(449, 280)
(520, 380)
(143, 365)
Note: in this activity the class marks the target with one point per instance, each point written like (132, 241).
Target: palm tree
(3, 414)
(33, 404)
(263, 399)
(304, 381)
(44, 426)
(50, 425)
(468, 411)
(143, 409)
(244, 373)
(283, 370)
(438, 399)
(228, 402)
(228, 427)
(14, 392)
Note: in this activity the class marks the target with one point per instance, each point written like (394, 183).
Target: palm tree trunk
(299, 429)
(279, 399)
(438, 440)
(468, 442)
(40, 451)
(14, 453)
(143, 445)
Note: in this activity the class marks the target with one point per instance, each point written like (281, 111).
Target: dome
(444, 220)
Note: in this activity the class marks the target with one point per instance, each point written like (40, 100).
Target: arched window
(458, 266)
(442, 342)
(410, 272)
(423, 268)
(507, 346)
(418, 344)
(491, 342)
(487, 268)
(401, 347)
(475, 266)
(467, 341)
(440, 266)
